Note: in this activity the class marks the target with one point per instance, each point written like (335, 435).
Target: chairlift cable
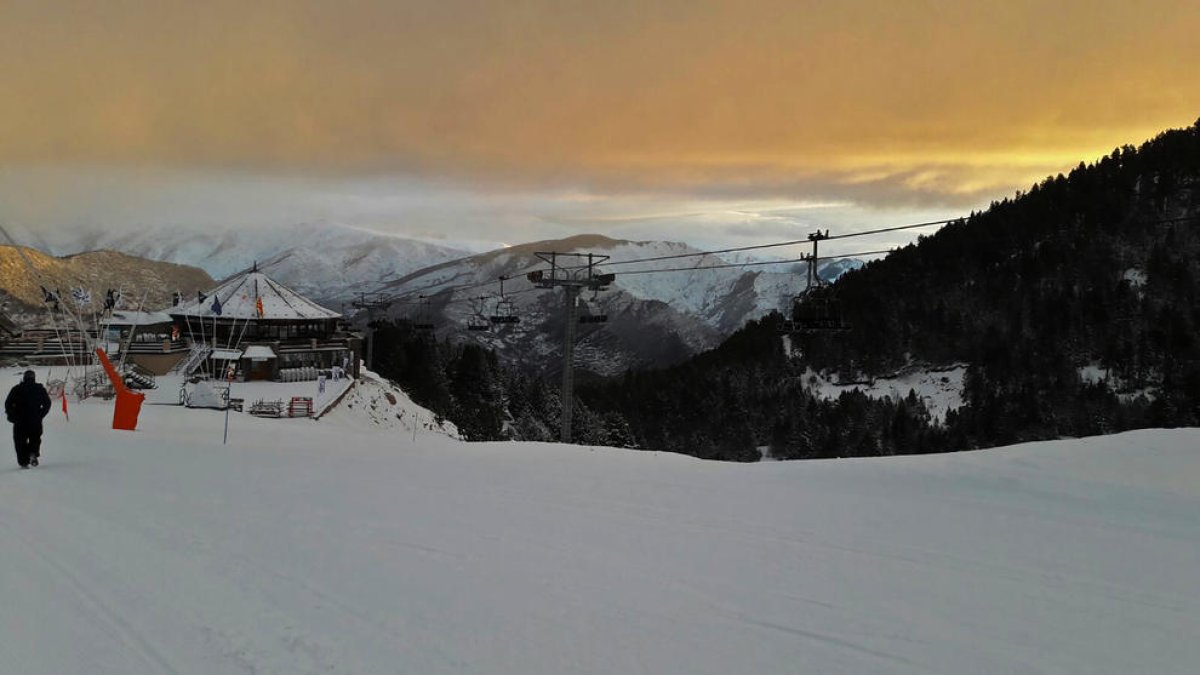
(737, 249)
(792, 242)
(756, 263)
(405, 297)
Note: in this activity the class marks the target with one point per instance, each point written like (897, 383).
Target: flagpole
(228, 405)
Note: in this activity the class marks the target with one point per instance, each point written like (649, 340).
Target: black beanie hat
(30, 376)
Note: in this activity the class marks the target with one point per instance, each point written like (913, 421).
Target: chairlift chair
(593, 312)
(505, 312)
(423, 320)
(817, 310)
(601, 282)
(477, 321)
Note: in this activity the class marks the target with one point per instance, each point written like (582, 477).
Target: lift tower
(572, 279)
(372, 302)
(816, 309)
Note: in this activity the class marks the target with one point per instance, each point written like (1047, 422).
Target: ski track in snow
(345, 547)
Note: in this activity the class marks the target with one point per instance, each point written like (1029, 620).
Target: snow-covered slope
(315, 547)
(375, 403)
(333, 265)
(940, 389)
(653, 318)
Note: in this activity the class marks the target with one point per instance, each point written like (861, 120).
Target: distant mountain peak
(572, 244)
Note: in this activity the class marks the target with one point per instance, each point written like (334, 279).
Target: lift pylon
(373, 303)
(572, 279)
(816, 308)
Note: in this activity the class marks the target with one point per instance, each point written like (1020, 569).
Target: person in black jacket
(27, 404)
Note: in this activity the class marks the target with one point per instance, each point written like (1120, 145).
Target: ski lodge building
(264, 331)
(145, 337)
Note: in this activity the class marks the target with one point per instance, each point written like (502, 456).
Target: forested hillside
(1096, 271)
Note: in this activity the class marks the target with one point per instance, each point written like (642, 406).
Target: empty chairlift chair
(817, 310)
(505, 313)
(423, 318)
(477, 321)
(591, 312)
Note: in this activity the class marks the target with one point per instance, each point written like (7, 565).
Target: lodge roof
(123, 317)
(238, 298)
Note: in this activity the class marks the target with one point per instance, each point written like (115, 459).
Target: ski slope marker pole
(228, 402)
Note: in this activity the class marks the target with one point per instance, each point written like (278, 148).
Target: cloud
(876, 102)
(53, 207)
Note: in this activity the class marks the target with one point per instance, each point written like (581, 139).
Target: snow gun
(129, 403)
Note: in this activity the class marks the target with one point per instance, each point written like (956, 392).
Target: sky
(501, 122)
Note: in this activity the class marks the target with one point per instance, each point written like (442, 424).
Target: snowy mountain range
(658, 311)
(326, 262)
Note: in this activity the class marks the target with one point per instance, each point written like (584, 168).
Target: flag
(216, 306)
(82, 296)
(200, 297)
(258, 306)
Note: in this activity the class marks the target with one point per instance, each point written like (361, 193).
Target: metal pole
(371, 339)
(816, 272)
(228, 400)
(568, 383)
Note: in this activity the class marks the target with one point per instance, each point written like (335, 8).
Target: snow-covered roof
(226, 354)
(130, 318)
(238, 299)
(259, 353)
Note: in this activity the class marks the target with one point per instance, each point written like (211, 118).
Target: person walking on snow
(26, 406)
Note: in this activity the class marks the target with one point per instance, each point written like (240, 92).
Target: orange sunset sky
(701, 118)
